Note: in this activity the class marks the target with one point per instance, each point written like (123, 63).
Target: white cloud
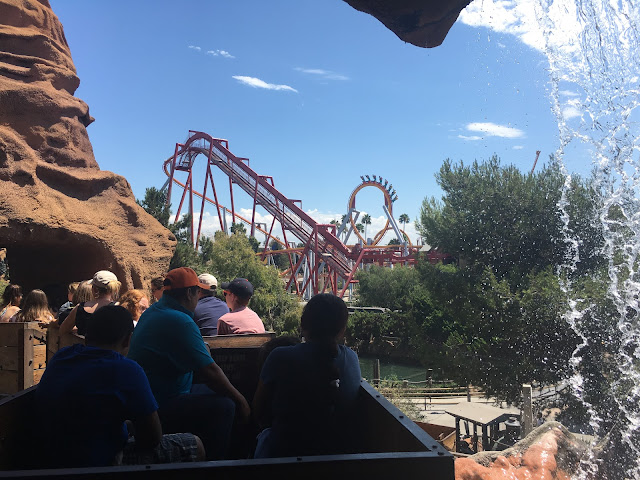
(494, 130)
(518, 147)
(568, 93)
(570, 112)
(257, 83)
(194, 47)
(327, 74)
(471, 138)
(526, 20)
(221, 53)
(572, 109)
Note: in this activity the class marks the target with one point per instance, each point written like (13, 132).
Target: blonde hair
(130, 301)
(73, 286)
(83, 293)
(36, 308)
(112, 288)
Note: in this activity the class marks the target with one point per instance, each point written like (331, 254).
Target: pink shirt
(240, 321)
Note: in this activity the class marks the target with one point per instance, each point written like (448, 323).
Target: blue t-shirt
(304, 418)
(87, 394)
(208, 311)
(168, 346)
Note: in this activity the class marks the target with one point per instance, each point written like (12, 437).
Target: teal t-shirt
(168, 345)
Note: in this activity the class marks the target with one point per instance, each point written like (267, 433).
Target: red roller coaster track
(331, 265)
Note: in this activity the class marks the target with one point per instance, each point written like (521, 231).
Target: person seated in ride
(157, 286)
(83, 294)
(11, 299)
(210, 308)
(66, 307)
(240, 319)
(106, 288)
(136, 302)
(307, 392)
(93, 394)
(35, 309)
(168, 346)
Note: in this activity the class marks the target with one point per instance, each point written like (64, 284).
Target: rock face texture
(423, 23)
(548, 452)
(61, 217)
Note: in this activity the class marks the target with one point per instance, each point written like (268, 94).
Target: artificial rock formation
(423, 23)
(61, 217)
(548, 452)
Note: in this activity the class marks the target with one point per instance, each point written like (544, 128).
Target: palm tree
(366, 219)
(359, 227)
(404, 219)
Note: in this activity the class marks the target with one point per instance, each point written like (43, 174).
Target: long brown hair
(36, 308)
(12, 293)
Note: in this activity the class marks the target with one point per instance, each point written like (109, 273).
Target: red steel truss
(331, 264)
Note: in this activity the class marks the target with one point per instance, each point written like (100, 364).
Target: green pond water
(390, 369)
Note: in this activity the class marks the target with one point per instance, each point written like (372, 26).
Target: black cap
(238, 286)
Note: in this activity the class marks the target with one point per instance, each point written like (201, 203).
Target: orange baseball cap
(183, 277)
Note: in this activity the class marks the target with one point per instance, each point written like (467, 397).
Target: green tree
(255, 244)
(359, 227)
(394, 241)
(507, 220)
(281, 260)
(238, 228)
(404, 219)
(155, 204)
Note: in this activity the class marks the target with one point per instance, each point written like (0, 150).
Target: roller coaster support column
(204, 194)
(347, 281)
(170, 181)
(396, 229)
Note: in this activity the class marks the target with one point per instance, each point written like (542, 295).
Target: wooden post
(376, 372)
(469, 393)
(485, 438)
(527, 410)
(25, 357)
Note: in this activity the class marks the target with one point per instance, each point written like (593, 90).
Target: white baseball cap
(103, 278)
(208, 279)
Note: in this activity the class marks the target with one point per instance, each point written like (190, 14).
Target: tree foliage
(497, 321)
(497, 216)
(155, 204)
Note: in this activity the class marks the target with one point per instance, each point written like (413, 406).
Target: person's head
(3, 253)
(110, 327)
(105, 284)
(182, 285)
(211, 281)
(324, 318)
(12, 295)
(36, 307)
(84, 293)
(237, 292)
(136, 302)
(71, 289)
(157, 286)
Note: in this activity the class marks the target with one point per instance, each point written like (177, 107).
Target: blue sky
(314, 93)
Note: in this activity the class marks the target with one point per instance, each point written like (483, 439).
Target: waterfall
(593, 51)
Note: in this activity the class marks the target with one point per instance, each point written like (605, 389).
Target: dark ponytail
(323, 318)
